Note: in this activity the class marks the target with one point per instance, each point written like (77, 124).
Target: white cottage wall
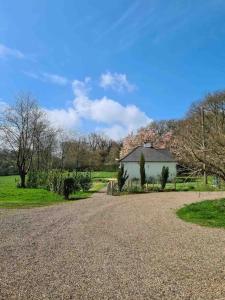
(152, 169)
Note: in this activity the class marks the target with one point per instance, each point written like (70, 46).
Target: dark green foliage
(37, 179)
(42, 179)
(7, 163)
(32, 179)
(142, 170)
(77, 185)
(121, 178)
(69, 186)
(164, 177)
(7, 169)
(54, 180)
(85, 182)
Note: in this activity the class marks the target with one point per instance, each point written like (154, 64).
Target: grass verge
(13, 197)
(207, 213)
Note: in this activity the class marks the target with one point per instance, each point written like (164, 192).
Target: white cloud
(108, 111)
(31, 74)
(3, 106)
(81, 88)
(63, 118)
(114, 119)
(116, 132)
(116, 81)
(7, 52)
(54, 78)
(49, 77)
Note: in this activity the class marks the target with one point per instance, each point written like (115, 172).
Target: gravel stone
(105, 247)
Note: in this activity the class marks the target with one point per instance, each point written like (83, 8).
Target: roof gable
(150, 154)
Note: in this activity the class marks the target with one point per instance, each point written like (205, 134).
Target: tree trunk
(203, 145)
(22, 179)
(205, 176)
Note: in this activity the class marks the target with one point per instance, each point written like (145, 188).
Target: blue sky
(111, 66)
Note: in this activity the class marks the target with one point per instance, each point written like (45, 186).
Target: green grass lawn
(103, 175)
(206, 213)
(196, 184)
(13, 197)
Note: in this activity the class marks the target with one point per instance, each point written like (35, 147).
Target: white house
(155, 159)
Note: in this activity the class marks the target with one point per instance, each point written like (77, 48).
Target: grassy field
(194, 184)
(103, 175)
(207, 213)
(13, 197)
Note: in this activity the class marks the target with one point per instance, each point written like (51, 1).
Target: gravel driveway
(129, 247)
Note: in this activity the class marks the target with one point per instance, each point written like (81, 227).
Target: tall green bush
(32, 179)
(69, 186)
(164, 176)
(42, 179)
(142, 170)
(55, 182)
(37, 179)
(121, 178)
(85, 181)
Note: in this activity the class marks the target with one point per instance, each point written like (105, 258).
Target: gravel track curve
(105, 247)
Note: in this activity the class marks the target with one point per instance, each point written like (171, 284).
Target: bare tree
(44, 145)
(199, 139)
(21, 127)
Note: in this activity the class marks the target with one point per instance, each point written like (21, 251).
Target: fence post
(110, 187)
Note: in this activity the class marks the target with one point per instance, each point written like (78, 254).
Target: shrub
(85, 182)
(135, 189)
(150, 180)
(69, 186)
(142, 170)
(42, 179)
(37, 179)
(121, 178)
(55, 182)
(32, 179)
(164, 177)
